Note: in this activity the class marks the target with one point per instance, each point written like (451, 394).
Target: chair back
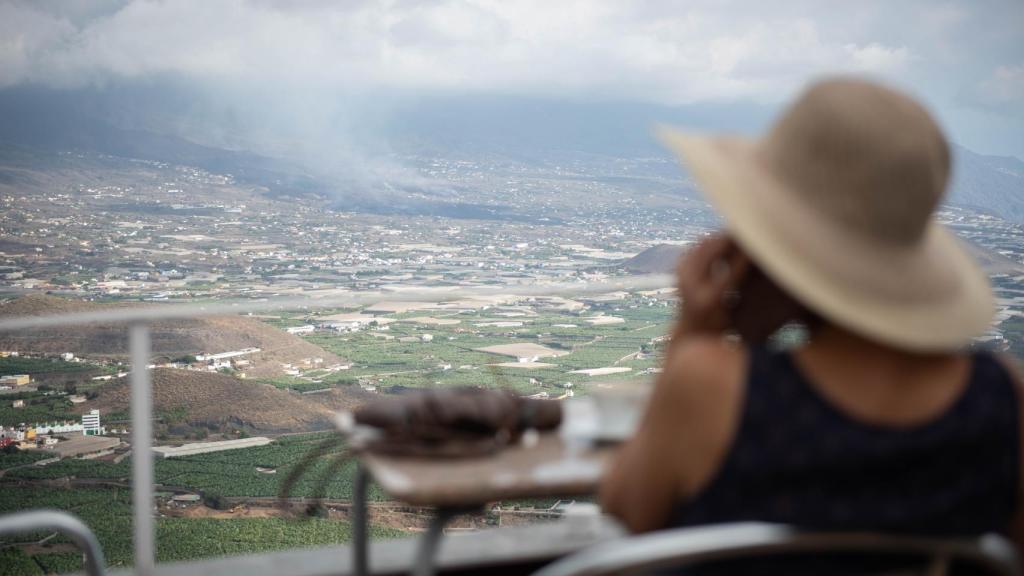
(682, 547)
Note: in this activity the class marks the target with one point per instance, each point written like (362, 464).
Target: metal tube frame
(360, 523)
(684, 547)
(427, 547)
(142, 449)
(430, 542)
(66, 524)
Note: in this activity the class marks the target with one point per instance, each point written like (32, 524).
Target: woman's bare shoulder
(697, 404)
(699, 367)
(683, 436)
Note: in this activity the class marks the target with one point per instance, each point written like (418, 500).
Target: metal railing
(137, 320)
(66, 524)
(762, 542)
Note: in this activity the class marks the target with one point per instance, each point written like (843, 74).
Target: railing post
(64, 523)
(142, 449)
(360, 523)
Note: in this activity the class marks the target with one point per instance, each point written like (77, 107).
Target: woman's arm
(691, 414)
(689, 424)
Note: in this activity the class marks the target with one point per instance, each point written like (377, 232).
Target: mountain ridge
(527, 131)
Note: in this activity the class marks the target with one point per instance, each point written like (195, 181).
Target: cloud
(604, 49)
(315, 56)
(1004, 88)
(876, 58)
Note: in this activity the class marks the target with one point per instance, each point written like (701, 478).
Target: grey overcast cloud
(965, 58)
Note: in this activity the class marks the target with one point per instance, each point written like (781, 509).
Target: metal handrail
(344, 300)
(683, 547)
(66, 524)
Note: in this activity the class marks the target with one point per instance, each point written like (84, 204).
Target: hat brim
(929, 297)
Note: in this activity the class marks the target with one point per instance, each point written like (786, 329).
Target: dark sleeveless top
(797, 459)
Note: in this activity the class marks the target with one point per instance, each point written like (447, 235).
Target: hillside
(992, 183)
(213, 399)
(171, 338)
(658, 259)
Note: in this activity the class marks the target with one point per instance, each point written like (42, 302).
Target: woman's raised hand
(707, 279)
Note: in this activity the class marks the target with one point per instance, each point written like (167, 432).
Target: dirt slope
(209, 397)
(658, 259)
(171, 338)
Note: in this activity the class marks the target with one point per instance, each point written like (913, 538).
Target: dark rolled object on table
(455, 421)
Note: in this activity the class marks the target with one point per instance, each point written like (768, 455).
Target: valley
(92, 233)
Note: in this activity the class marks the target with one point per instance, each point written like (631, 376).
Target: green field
(233, 472)
(387, 362)
(19, 458)
(301, 385)
(227, 473)
(23, 365)
(55, 377)
(107, 512)
(38, 408)
(449, 359)
(230, 473)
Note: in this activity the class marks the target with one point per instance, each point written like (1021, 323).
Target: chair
(678, 548)
(64, 523)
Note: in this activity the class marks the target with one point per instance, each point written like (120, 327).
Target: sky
(306, 60)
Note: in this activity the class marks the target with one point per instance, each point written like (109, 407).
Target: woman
(884, 420)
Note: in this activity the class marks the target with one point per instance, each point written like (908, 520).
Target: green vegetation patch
(73, 468)
(233, 472)
(23, 365)
(20, 458)
(14, 562)
(191, 538)
(297, 384)
(107, 511)
(38, 408)
(230, 473)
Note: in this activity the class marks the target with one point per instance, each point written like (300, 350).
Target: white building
(207, 447)
(306, 329)
(91, 423)
(12, 433)
(225, 355)
(15, 379)
(350, 326)
(59, 427)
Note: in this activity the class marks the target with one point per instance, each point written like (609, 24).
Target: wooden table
(547, 468)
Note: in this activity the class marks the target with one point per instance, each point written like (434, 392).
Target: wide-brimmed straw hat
(836, 205)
